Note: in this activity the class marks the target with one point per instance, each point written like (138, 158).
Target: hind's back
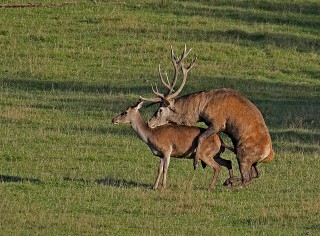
(182, 140)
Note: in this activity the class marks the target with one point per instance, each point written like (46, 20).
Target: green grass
(67, 71)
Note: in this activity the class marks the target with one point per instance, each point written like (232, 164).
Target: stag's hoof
(236, 187)
(231, 181)
(232, 186)
(241, 185)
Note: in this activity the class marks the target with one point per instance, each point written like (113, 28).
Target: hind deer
(175, 141)
(222, 110)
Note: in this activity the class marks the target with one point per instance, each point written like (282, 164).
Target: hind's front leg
(165, 170)
(160, 170)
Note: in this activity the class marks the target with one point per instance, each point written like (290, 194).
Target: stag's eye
(173, 109)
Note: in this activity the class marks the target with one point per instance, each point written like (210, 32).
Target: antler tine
(171, 87)
(173, 57)
(185, 70)
(159, 98)
(156, 92)
(153, 100)
(184, 54)
(176, 64)
(167, 85)
(192, 64)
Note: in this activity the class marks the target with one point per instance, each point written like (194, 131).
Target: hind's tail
(269, 157)
(224, 146)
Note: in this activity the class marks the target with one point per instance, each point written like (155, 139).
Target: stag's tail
(269, 157)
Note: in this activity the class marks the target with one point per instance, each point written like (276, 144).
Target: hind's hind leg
(228, 165)
(216, 169)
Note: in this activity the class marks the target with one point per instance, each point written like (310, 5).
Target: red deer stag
(175, 141)
(222, 110)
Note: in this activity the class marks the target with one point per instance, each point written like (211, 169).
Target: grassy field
(66, 71)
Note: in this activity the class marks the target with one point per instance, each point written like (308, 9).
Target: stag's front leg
(160, 170)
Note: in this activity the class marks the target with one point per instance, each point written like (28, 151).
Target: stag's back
(225, 107)
(230, 113)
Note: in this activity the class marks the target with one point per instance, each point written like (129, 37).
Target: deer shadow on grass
(111, 181)
(38, 82)
(16, 179)
(118, 182)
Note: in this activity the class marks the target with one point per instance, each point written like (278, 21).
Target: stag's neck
(141, 128)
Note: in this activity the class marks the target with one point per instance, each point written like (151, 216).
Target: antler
(177, 64)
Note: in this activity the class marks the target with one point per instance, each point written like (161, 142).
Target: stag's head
(128, 115)
(167, 112)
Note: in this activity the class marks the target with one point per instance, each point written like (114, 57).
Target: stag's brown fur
(227, 111)
(176, 141)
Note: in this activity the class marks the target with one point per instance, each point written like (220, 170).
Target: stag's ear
(173, 109)
(166, 102)
(169, 104)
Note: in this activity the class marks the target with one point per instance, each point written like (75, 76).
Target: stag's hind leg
(245, 169)
(255, 173)
(248, 171)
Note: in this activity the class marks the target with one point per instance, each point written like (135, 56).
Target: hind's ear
(139, 105)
